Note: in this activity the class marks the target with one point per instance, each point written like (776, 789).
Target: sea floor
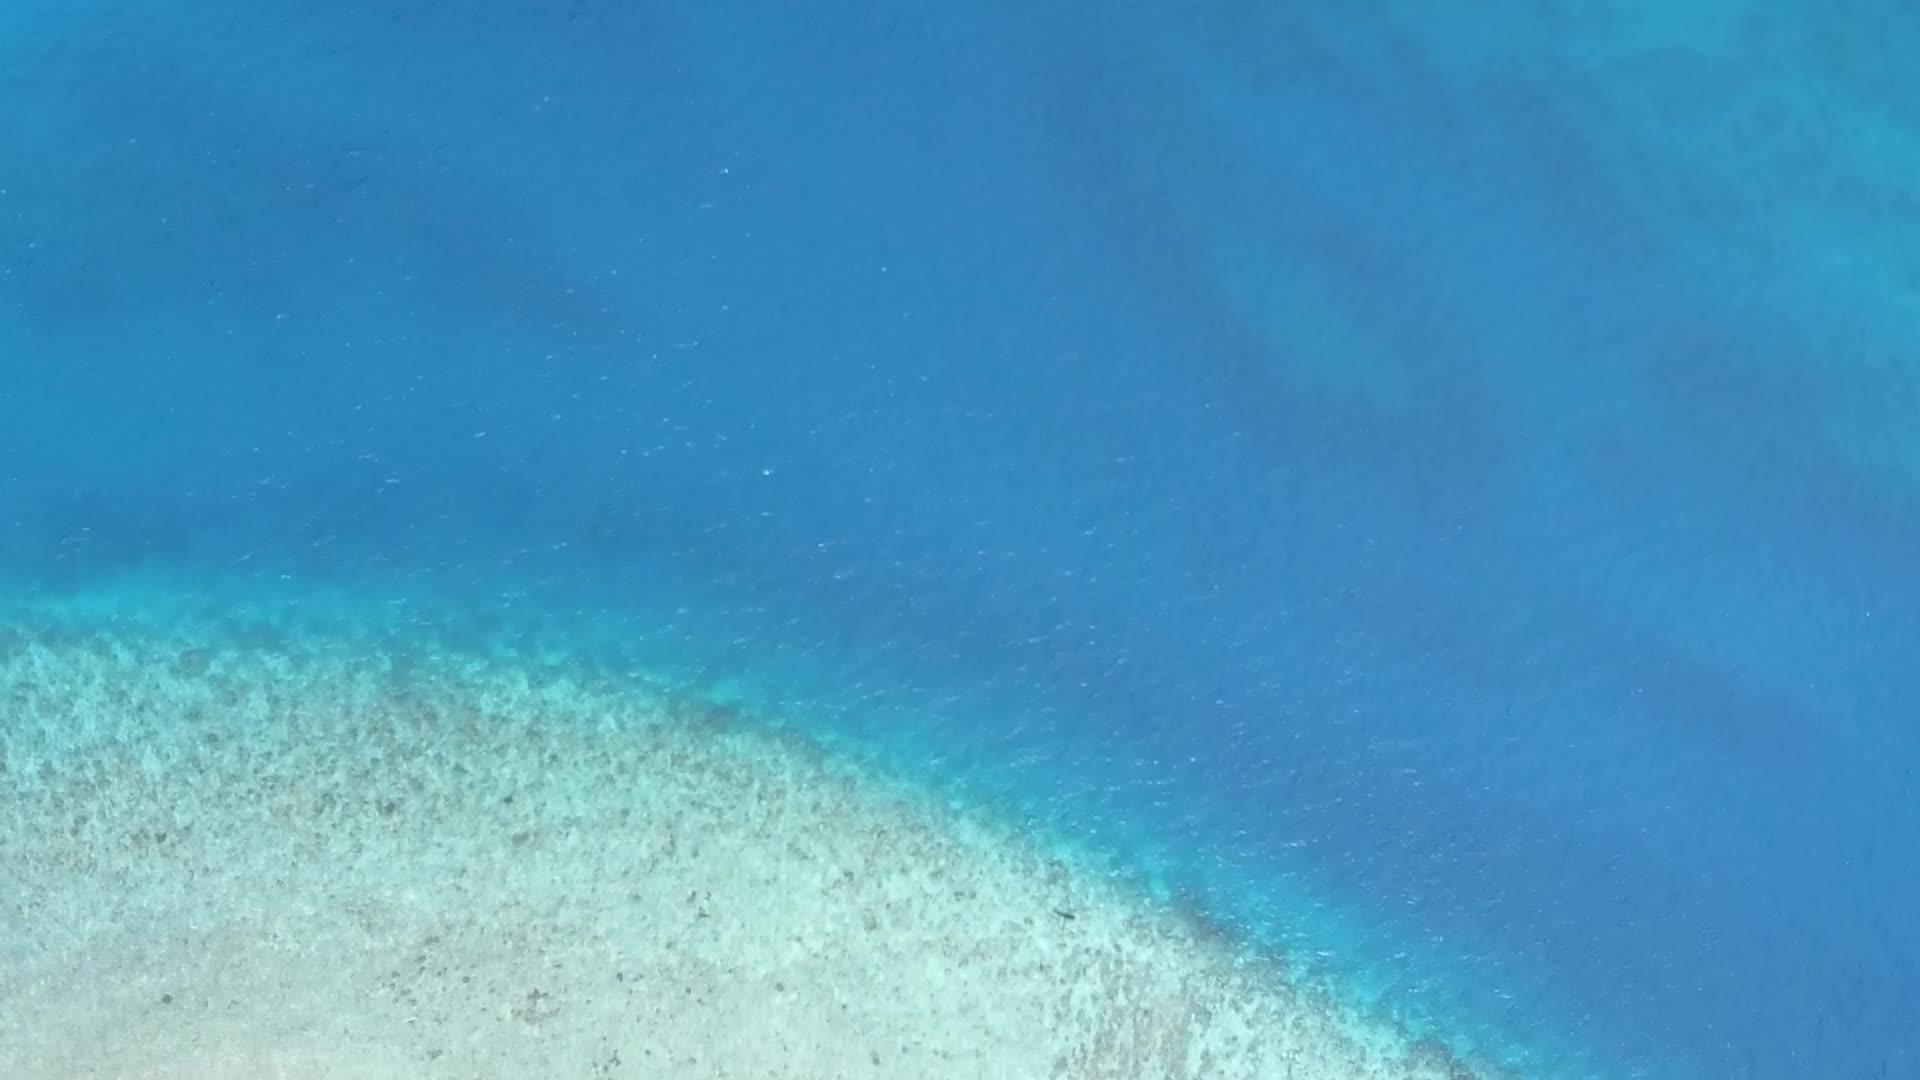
(315, 857)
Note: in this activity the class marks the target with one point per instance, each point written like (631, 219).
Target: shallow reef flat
(318, 857)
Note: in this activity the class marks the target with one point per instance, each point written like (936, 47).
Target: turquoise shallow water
(1434, 494)
(278, 831)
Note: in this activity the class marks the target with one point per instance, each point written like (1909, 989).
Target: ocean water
(1434, 494)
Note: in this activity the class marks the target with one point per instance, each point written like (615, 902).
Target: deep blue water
(1434, 491)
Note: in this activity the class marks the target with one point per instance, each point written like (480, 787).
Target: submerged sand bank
(321, 861)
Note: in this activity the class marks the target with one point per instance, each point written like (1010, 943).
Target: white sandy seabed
(323, 860)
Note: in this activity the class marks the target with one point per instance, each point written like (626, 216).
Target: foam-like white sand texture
(321, 863)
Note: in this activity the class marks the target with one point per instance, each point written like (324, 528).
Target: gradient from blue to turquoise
(1432, 490)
